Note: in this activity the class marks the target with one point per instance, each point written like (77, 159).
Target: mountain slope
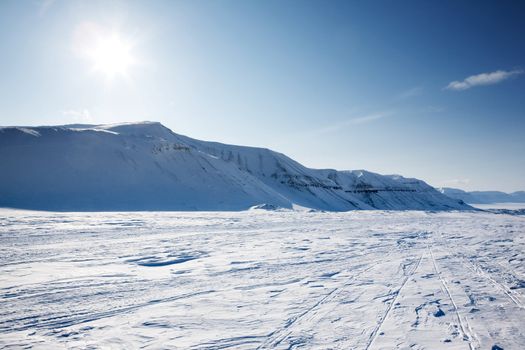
(145, 166)
(483, 197)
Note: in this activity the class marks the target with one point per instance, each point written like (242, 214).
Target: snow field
(262, 280)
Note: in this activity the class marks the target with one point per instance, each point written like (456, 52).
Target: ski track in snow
(262, 280)
(514, 297)
(374, 334)
(466, 335)
(277, 336)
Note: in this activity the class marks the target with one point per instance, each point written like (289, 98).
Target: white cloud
(82, 115)
(483, 79)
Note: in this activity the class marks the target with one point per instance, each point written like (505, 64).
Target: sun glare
(107, 51)
(112, 56)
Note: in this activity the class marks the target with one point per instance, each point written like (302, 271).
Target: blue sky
(433, 89)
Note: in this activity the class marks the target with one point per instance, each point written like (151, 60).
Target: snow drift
(145, 166)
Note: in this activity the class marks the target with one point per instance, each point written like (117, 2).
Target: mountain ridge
(483, 197)
(146, 166)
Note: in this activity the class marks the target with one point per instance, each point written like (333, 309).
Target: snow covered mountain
(145, 166)
(484, 197)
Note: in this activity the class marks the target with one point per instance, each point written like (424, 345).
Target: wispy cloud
(483, 79)
(82, 115)
(369, 118)
(455, 183)
(415, 91)
(45, 5)
(355, 121)
(432, 109)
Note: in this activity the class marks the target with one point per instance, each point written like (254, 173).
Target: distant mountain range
(483, 197)
(145, 166)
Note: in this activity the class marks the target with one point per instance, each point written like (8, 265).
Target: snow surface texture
(507, 206)
(145, 166)
(262, 280)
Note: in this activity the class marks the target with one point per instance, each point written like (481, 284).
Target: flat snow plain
(262, 280)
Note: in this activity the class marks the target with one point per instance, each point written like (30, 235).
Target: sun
(107, 50)
(112, 55)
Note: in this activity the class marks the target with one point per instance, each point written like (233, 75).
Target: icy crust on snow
(145, 166)
(262, 280)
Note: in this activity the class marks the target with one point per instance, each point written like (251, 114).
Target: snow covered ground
(508, 206)
(260, 279)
